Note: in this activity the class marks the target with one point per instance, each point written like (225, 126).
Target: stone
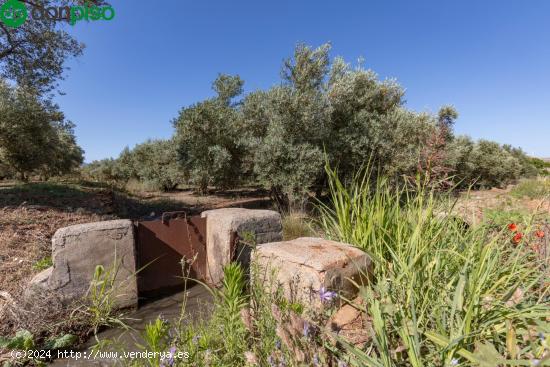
(304, 266)
(78, 249)
(351, 324)
(221, 227)
(344, 316)
(40, 280)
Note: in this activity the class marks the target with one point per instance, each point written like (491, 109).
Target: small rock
(343, 317)
(351, 324)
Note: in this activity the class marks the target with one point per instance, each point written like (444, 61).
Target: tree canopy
(322, 111)
(35, 138)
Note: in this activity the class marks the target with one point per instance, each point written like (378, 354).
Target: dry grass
(476, 206)
(25, 238)
(296, 225)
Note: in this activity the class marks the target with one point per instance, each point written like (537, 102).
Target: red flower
(517, 238)
(512, 227)
(539, 234)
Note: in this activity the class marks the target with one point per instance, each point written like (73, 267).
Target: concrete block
(305, 266)
(263, 225)
(78, 249)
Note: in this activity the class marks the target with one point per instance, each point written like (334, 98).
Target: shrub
(279, 137)
(487, 164)
(154, 163)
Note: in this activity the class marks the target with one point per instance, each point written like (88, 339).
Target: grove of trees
(322, 111)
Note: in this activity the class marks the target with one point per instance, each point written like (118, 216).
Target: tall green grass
(442, 294)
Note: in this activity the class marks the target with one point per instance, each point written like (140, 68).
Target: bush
(153, 163)
(279, 137)
(487, 164)
(210, 138)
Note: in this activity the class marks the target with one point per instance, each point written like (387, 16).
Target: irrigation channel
(197, 306)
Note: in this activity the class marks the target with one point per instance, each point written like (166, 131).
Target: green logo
(13, 13)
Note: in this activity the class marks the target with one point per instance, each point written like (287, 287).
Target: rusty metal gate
(161, 246)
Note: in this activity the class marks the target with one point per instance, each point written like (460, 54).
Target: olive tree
(210, 137)
(34, 136)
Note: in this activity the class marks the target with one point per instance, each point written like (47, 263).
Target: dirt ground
(481, 204)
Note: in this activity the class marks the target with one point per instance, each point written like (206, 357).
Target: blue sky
(489, 58)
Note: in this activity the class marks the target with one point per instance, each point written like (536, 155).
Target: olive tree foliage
(327, 111)
(153, 163)
(211, 147)
(487, 164)
(288, 159)
(35, 138)
(335, 112)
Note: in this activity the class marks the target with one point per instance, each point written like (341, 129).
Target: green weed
(43, 264)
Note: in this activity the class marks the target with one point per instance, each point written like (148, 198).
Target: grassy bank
(443, 293)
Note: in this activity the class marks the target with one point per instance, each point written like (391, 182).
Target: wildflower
(316, 362)
(327, 296)
(305, 331)
(535, 362)
(342, 364)
(169, 359)
(278, 344)
(271, 361)
(512, 227)
(454, 362)
(517, 238)
(539, 234)
(542, 337)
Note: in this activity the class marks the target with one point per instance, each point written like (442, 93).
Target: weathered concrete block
(306, 265)
(78, 249)
(263, 225)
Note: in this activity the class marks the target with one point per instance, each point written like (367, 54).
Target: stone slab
(263, 225)
(78, 249)
(306, 265)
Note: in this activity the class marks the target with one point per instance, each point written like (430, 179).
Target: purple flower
(305, 330)
(278, 344)
(271, 361)
(169, 359)
(327, 296)
(316, 362)
(342, 364)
